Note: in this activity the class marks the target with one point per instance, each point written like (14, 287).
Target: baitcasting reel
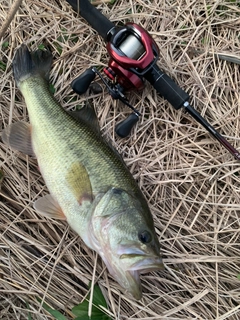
(133, 59)
(133, 52)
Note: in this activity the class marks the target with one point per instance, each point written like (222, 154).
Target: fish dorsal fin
(48, 207)
(18, 137)
(79, 182)
(88, 115)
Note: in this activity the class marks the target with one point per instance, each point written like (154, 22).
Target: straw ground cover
(191, 182)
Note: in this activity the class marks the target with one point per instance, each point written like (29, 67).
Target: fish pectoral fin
(79, 182)
(87, 114)
(18, 137)
(49, 207)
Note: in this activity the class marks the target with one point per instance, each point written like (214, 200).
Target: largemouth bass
(89, 184)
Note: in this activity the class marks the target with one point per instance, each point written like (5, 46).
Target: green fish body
(89, 184)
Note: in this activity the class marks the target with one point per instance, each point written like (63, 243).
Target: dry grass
(192, 183)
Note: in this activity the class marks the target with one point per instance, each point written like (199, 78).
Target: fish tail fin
(26, 64)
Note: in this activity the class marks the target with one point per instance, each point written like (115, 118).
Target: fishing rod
(133, 59)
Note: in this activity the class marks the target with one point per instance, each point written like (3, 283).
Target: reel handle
(124, 127)
(82, 83)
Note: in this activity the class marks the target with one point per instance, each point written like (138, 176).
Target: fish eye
(145, 236)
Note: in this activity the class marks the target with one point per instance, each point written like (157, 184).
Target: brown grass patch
(192, 183)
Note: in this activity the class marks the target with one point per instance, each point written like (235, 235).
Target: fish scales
(89, 184)
(70, 139)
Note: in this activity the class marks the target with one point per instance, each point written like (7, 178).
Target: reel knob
(82, 83)
(124, 127)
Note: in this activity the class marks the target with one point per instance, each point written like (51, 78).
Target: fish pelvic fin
(26, 64)
(18, 137)
(48, 207)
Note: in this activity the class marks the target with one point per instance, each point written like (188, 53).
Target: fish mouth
(143, 265)
(147, 264)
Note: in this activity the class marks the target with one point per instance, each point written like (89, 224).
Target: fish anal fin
(48, 207)
(18, 137)
(79, 182)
